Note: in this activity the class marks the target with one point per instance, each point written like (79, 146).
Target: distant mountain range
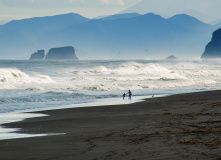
(120, 16)
(208, 11)
(129, 35)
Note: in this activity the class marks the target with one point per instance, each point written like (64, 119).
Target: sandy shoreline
(185, 126)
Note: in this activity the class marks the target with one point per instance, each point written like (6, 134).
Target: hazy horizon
(12, 9)
(147, 35)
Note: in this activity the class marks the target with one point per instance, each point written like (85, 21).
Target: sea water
(40, 85)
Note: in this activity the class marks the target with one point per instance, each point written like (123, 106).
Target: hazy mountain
(142, 36)
(20, 37)
(120, 16)
(117, 36)
(208, 11)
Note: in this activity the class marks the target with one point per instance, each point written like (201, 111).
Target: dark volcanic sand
(179, 127)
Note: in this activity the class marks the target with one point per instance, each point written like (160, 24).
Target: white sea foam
(41, 85)
(52, 84)
(115, 77)
(132, 71)
(11, 78)
(141, 76)
(16, 116)
(10, 133)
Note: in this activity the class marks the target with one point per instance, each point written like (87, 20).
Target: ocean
(27, 86)
(31, 85)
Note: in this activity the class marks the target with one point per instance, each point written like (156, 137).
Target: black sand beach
(178, 127)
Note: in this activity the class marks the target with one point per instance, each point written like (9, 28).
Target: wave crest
(11, 78)
(130, 70)
(144, 75)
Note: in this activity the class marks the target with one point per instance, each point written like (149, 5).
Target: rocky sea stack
(39, 55)
(213, 48)
(171, 58)
(60, 53)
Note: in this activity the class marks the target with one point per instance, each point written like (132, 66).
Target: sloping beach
(179, 127)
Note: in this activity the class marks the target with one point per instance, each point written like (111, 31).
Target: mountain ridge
(146, 35)
(207, 11)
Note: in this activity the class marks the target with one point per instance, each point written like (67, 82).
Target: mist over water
(41, 84)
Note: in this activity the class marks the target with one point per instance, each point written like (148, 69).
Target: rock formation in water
(39, 55)
(213, 48)
(171, 58)
(62, 53)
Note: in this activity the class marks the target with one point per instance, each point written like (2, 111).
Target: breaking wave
(122, 76)
(140, 76)
(49, 84)
(12, 78)
(133, 71)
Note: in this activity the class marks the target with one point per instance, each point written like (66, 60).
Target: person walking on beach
(130, 94)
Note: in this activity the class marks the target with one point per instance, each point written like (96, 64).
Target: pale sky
(18, 9)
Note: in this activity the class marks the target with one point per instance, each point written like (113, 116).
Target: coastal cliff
(213, 48)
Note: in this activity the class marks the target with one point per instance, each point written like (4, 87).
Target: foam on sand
(10, 133)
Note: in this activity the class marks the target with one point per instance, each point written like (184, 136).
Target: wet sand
(178, 127)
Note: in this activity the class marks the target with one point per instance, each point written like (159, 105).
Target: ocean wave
(112, 77)
(58, 84)
(144, 75)
(47, 99)
(11, 78)
(133, 71)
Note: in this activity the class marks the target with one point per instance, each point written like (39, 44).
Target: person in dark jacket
(130, 94)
